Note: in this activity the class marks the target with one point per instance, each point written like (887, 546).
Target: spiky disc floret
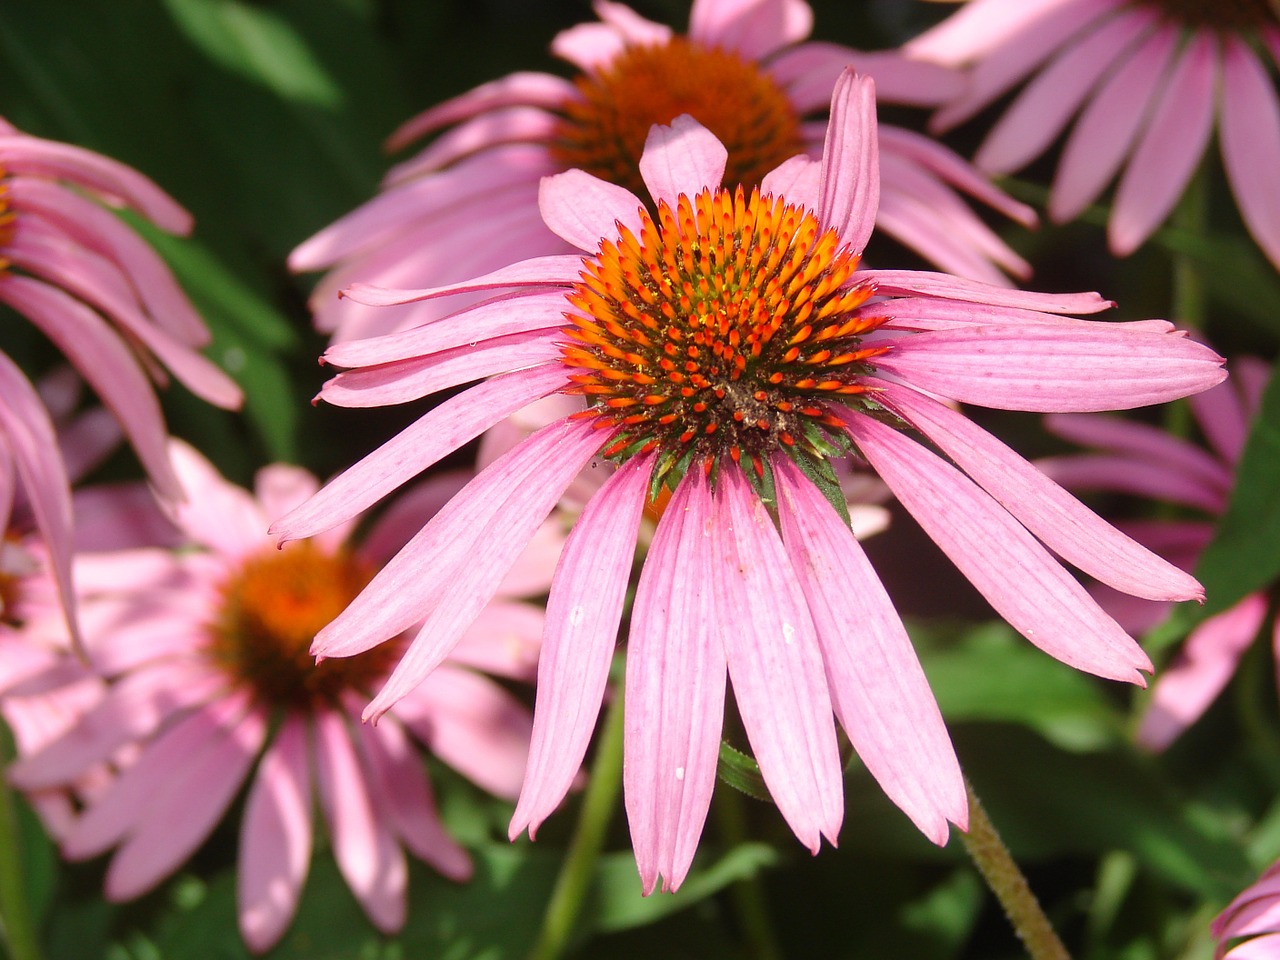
(723, 329)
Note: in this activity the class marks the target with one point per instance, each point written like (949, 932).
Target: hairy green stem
(588, 840)
(749, 900)
(15, 909)
(992, 858)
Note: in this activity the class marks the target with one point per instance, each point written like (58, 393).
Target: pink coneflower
(1139, 459)
(104, 298)
(728, 351)
(205, 648)
(468, 202)
(1145, 80)
(1255, 914)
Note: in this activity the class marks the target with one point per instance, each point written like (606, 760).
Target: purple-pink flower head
(744, 70)
(1252, 921)
(1145, 81)
(728, 351)
(202, 637)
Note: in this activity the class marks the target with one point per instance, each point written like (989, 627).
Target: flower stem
(991, 857)
(15, 911)
(748, 896)
(588, 840)
(1191, 216)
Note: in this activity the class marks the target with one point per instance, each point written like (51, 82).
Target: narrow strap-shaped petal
(559, 270)
(978, 28)
(184, 804)
(809, 71)
(593, 46)
(1223, 413)
(1249, 134)
(1047, 369)
(370, 859)
(1124, 474)
(878, 689)
(683, 158)
(492, 128)
(584, 611)
(675, 686)
(775, 664)
(929, 284)
(433, 436)
(936, 313)
(850, 188)
(217, 514)
(998, 556)
(464, 553)
(799, 179)
(275, 839)
(1058, 519)
(1206, 662)
(583, 209)
(32, 449)
(753, 29)
(1170, 149)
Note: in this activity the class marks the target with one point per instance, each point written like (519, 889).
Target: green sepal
(824, 478)
(740, 771)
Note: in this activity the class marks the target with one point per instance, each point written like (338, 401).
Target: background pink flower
(1139, 459)
(727, 349)
(1145, 82)
(1254, 914)
(205, 652)
(468, 202)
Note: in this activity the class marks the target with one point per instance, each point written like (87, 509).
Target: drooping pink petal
(408, 513)
(775, 665)
(583, 209)
(403, 794)
(591, 46)
(684, 157)
(217, 514)
(1109, 124)
(1122, 474)
(929, 313)
(850, 188)
(1170, 149)
(1058, 519)
(557, 270)
(1143, 441)
(930, 284)
(195, 792)
(493, 128)
(1043, 109)
(809, 71)
(1266, 947)
(878, 689)
(1045, 604)
(1043, 368)
(420, 445)
(275, 839)
(751, 28)
(584, 611)
(978, 28)
(1223, 413)
(1249, 135)
(1207, 660)
(676, 671)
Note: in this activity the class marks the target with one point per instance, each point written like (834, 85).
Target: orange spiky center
(271, 611)
(6, 218)
(604, 131)
(1224, 15)
(723, 329)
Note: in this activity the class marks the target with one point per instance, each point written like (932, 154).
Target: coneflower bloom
(1147, 81)
(1139, 459)
(468, 202)
(1254, 914)
(727, 350)
(210, 684)
(104, 298)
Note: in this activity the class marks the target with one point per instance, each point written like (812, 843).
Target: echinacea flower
(209, 684)
(727, 348)
(1146, 81)
(1139, 459)
(468, 202)
(106, 300)
(1254, 914)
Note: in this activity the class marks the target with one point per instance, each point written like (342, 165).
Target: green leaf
(259, 45)
(741, 772)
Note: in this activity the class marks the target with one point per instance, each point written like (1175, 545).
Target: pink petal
(1260, 948)
(1044, 108)
(683, 158)
(404, 796)
(775, 664)
(1206, 662)
(1249, 135)
(218, 514)
(1222, 415)
(799, 180)
(979, 28)
(1043, 368)
(850, 193)
(408, 513)
(675, 681)
(929, 284)
(1122, 474)
(1042, 602)
(583, 209)
(275, 839)
(1170, 149)
(808, 73)
(584, 612)
(370, 860)
(877, 686)
(182, 806)
(751, 28)
(420, 445)
(496, 127)
(928, 313)
(1109, 124)
(1058, 519)
(1143, 441)
(556, 271)
(503, 640)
